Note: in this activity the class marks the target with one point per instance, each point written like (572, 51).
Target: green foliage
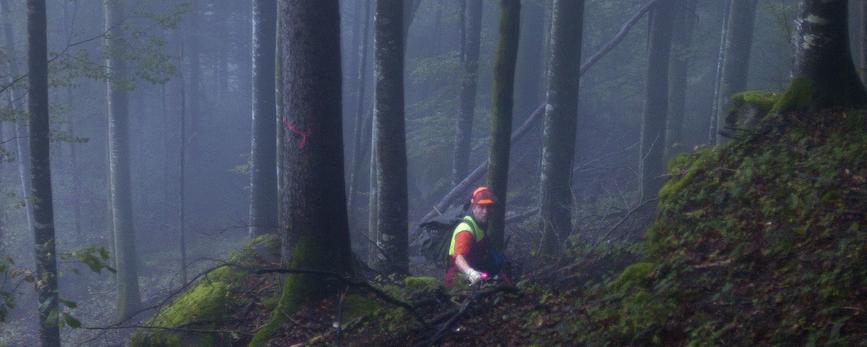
(757, 242)
(96, 258)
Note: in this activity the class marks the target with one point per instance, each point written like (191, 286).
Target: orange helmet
(482, 196)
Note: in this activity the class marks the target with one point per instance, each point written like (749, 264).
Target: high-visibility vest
(467, 225)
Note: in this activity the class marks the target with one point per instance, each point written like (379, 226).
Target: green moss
(358, 306)
(212, 298)
(206, 301)
(422, 284)
(796, 97)
(632, 276)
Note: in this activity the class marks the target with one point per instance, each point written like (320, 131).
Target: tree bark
(312, 197)
(862, 30)
(43, 212)
(128, 298)
(678, 71)
(22, 132)
(263, 166)
(561, 116)
(824, 71)
(529, 75)
(736, 63)
(358, 148)
(656, 100)
(501, 118)
(720, 61)
(391, 176)
(469, 80)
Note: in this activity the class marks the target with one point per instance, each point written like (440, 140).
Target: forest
(433, 172)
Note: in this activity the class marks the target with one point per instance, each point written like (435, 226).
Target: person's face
(481, 213)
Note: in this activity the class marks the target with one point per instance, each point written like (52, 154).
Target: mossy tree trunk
(501, 115)
(824, 74)
(736, 61)
(561, 120)
(312, 202)
(656, 99)
(681, 52)
(43, 212)
(464, 126)
(263, 168)
(391, 176)
(120, 185)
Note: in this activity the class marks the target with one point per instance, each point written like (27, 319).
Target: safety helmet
(482, 196)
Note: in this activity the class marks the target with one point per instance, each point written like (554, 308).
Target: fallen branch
(475, 295)
(626, 217)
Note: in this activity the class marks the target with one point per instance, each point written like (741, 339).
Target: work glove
(474, 276)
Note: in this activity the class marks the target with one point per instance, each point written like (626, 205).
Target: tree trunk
(43, 213)
(469, 80)
(561, 116)
(182, 180)
(263, 168)
(862, 63)
(22, 133)
(678, 71)
(195, 76)
(357, 147)
(720, 61)
(656, 100)
(736, 63)
(824, 74)
(501, 115)
(312, 197)
(391, 177)
(529, 75)
(128, 298)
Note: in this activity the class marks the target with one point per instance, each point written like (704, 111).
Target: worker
(470, 251)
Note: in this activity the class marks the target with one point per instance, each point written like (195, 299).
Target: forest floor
(759, 241)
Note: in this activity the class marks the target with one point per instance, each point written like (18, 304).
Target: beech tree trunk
(22, 132)
(128, 298)
(678, 71)
(823, 65)
(561, 116)
(263, 168)
(469, 80)
(358, 132)
(43, 212)
(501, 115)
(391, 176)
(736, 63)
(656, 100)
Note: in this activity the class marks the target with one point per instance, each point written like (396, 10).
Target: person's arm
(463, 244)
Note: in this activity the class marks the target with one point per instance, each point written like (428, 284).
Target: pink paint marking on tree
(303, 134)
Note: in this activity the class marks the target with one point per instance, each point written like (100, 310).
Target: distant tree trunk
(409, 9)
(195, 77)
(720, 61)
(501, 115)
(824, 73)
(656, 100)
(862, 63)
(182, 180)
(128, 298)
(561, 121)
(76, 179)
(313, 200)
(374, 254)
(43, 226)
(529, 75)
(736, 63)
(263, 168)
(462, 30)
(22, 133)
(391, 178)
(358, 133)
(678, 70)
(469, 80)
